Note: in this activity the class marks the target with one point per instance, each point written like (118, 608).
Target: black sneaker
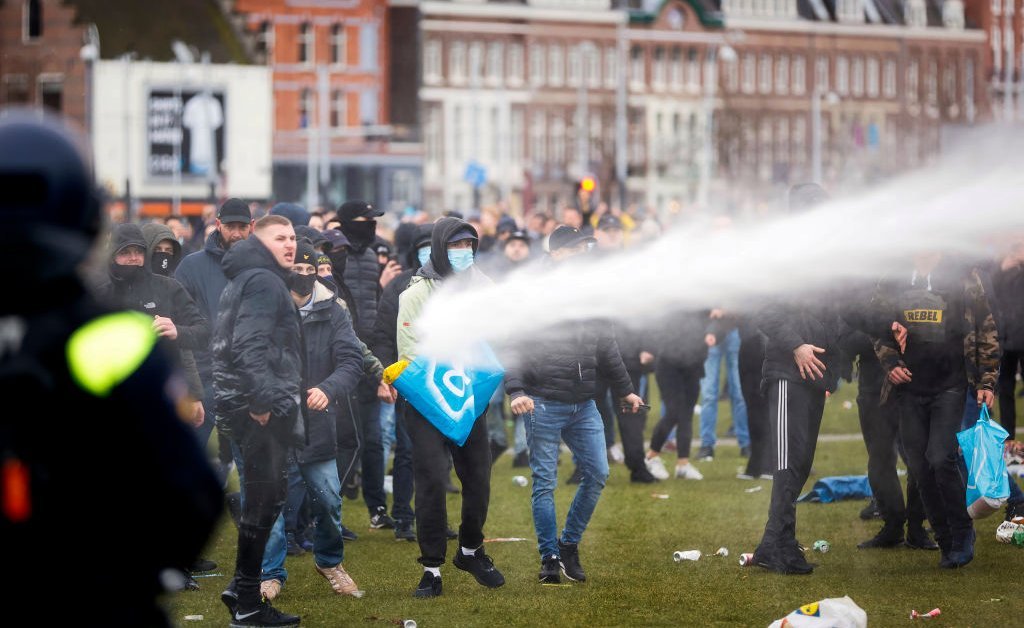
(569, 561)
(871, 511)
(795, 564)
(229, 597)
(481, 566)
(430, 586)
(522, 459)
(918, 538)
(706, 454)
(642, 477)
(576, 477)
(292, 548)
(887, 537)
(404, 531)
(351, 488)
(348, 535)
(550, 570)
(264, 615)
(201, 565)
(1014, 510)
(382, 520)
(962, 551)
(190, 583)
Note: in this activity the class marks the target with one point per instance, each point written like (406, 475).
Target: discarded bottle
(520, 481)
(822, 546)
(1018, 537)
(746, 560)
(930, 614)
(722, 551)
(408, 623)
(687, 555)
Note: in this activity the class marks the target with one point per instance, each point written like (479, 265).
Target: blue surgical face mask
(423, 254)
(460, 259)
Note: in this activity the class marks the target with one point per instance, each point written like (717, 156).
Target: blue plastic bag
(987, 484)
(835, 488)
(451, 397)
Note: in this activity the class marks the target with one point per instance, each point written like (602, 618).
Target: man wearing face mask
(361, 275)
(452, 248)
(131, 285)
(163, 252)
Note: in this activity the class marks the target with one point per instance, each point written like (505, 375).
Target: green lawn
(627, 553)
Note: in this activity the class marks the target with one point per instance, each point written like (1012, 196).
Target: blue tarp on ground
(832, 489)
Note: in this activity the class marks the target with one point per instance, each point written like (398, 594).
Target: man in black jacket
(800, 367)
(552, 380)
(257, 368)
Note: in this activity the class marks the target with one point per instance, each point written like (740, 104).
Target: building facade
(333, 140)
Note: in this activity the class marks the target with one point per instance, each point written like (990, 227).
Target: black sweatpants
(880, 426)
(631, 426)
(430, 468)
(928, 427)
(761, 460)
(1011, 365)
(679, 385)
(795, 411)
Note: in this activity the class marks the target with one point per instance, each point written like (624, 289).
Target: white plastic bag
(833, 612)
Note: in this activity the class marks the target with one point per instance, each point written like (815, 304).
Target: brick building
(1003, 21)
(333, 138)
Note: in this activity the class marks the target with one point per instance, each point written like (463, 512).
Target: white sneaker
(657, 468)
(689, 472)
(615, 453)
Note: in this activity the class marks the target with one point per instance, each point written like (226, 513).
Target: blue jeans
(972, 412)
(580, 426)
(324, 492)
(387, 431)
(729, 348)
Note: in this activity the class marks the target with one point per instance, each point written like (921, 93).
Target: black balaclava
(128, 234)
(302, 285)
(361, 233)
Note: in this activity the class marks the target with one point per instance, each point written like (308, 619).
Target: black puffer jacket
(1008, 286)
(786, 327)
(563, 364)
(334, 364)
(362, 277)
(679, 339)
(257, 355)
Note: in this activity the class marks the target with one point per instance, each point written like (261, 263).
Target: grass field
(627, 552)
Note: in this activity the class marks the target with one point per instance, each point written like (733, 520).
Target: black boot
(888, 536)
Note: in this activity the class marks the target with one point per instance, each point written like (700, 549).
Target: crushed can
(722, 551)
(408, 623)
(822, 546)
(1006, 530)
(686, 555)
(520, 480)
(929, 615)
(746, 560)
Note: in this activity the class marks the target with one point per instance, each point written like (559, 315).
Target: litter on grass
(659, 495)
(833, 612)
(505, 539)
(929, 615)
(753, 489)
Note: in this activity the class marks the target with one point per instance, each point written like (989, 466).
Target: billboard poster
(189, 125)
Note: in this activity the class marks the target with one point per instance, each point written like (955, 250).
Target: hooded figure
(161, 263)
(297, 214)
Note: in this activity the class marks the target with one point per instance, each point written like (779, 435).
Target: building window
(265, 39)
(307, 42)
(515, 64)
(516, 136)
(495, 135)
(659, 70)
(339, 110)
(51, 95)
(558, 140)
(339, 45)
(432, 61)
(782, 75)
(611, 67)
(556, 65)
(842, 75)
(799, 75)
(636, 68)
(765, 81)
(432, 134)
(858, 77)
(476, 62)
(368, 46)
(305, 108)
(932, 82)
(997, 51)
(575, 66)
(913, 81)
(368, 103)
(457, 63)
(592, 66)
(538, 137)
(749, 73)
(33, 17)
(872, 78)
(537, 64)
(692, 70)
(676, 69)
(732, 76)
(458, 134)
(15, 89)
(495, 63)
(821, 81)
(889, 79)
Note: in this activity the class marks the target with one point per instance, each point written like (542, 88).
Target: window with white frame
(799, 75)
(475, 66)
(432, 135)
(368, 106)
(692, 70)
(265, 40)
(637, 78)
(782, 139)
(32, 10)
(889, 79)
(305, 108)
(932, 82)
(676, 71)
(611, 67)
(782, 75)
(307, 43)
(339, 109)
(913, 81)
(997, 51)
(495, 135)
(495, 62)
(765, 81)
(857, 87)
(732, 76)
(799, 143)
(514, 76)
(538, 139)
(556, 65)
(872, 77)
(659, 73)
(516, 136)
(432, 61)
(368, 46)
(575, 66)
(821, 78)
(949, 81)
(842, 75)
(749, 73)
(339, 45)
(457, 63)
(592, 66)
(458, 134)
(537, 64)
